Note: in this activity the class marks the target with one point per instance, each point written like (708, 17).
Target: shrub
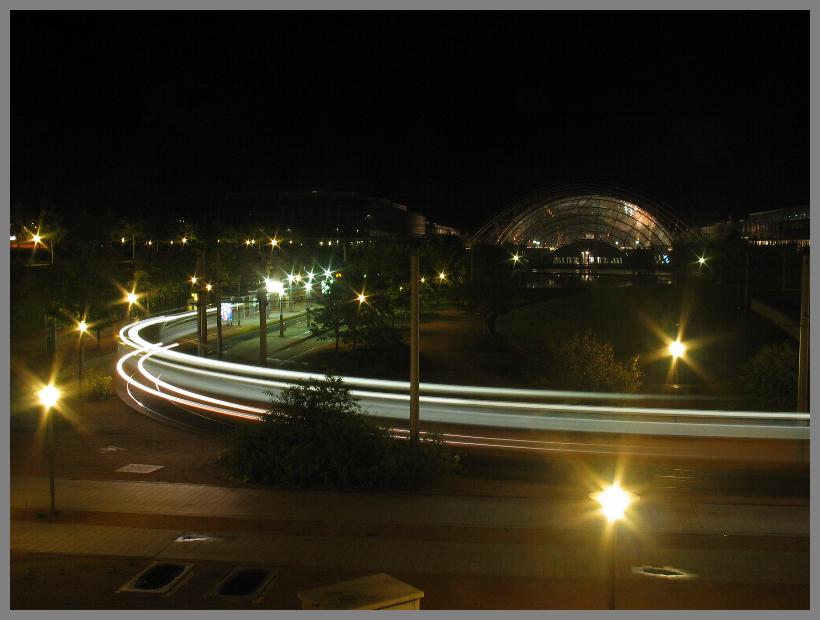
(98, 386)
(316, 435)
(582, 362)
(768, 381)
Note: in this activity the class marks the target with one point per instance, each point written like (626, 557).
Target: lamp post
(308, 291)
(49, 396)
(82, 328)
(360, 298)
(275, 286)
(291, 278)
(613, 501)
(676, 349)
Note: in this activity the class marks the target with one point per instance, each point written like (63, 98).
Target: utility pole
(218, 323)
(281, 315)
(803, 359)
(414, 347)
(263, 327)
(201, 309)
(746, 284)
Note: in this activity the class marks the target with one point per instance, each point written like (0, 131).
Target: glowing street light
(82, 327)
(361, 297)
(194, 279)
(49, 396)
(131, 298)
(208, 287)
(442, 276)
(613, 501)
(701, 260)
(676, 349)
(36, 238)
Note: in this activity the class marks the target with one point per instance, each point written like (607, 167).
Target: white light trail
(442, 403)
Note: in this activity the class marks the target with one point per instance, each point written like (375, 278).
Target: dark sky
(454, 114)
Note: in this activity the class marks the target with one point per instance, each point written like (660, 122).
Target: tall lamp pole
(414, 346)
(82, 327)
(613, 501)
(49, 396)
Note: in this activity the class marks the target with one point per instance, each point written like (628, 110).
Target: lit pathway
(509, 537)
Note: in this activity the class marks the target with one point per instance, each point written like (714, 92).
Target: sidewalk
(480, 536)
(418, 510)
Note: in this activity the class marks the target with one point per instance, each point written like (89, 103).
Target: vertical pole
(263, 329)
(746, 284)
(613, 543)
(205, 299)
(803, 360)
(50, 433)
(414, 346)
(200, 345)
(281, 317)
(307, 306)
(218, 324)
(81, 362)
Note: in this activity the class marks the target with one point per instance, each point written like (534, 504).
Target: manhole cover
(664, 572)
(158, 578)
(244, 583)
(110, 449)
(198, 538)
(138, 468)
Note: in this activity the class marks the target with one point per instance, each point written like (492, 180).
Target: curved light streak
(460, 404)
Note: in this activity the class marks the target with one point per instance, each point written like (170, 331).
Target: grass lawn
(634, 320)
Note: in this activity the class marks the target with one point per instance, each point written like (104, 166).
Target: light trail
(230, 389)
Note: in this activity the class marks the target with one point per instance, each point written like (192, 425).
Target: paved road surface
(743, 555)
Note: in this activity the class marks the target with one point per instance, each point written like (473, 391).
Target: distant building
(325, 214)
(434, 229)
(787, 226)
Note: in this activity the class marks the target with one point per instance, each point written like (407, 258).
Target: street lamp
(676, 349)
(275, 286)
(613, 501)
(442, 276)
(49, 396)
(82, 327)
(291, 279)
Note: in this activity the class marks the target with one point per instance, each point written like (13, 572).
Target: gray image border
(402, 5)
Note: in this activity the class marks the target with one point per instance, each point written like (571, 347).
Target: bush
(316, 435)
(768, 381)
(582, 362)
(98, 386)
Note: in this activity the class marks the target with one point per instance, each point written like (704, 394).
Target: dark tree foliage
(582, 362)
(315, 435)
(768, 381)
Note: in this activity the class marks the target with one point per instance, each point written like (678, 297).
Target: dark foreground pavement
(465, 552)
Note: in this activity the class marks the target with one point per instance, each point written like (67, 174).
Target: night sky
(454, 114)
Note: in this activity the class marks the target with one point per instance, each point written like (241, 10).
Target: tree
(333, 313)
(315, 434)
(768, 381)
(582, 362)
